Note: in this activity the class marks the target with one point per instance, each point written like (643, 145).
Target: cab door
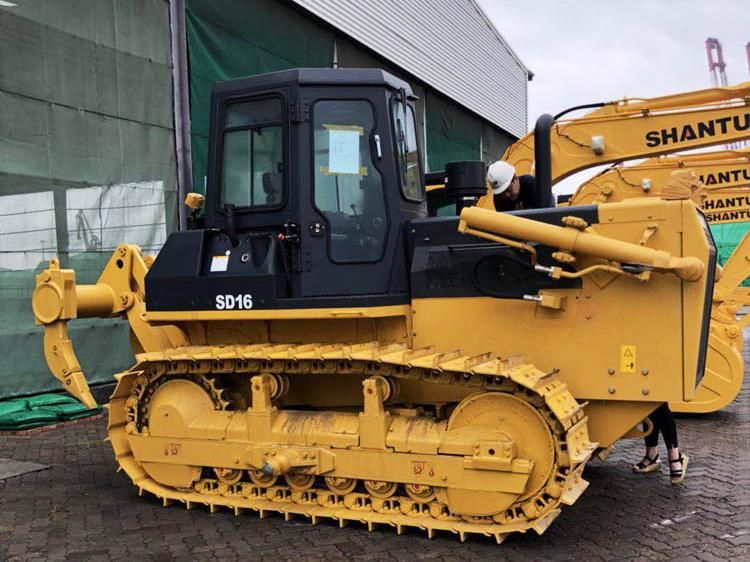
(348, 229)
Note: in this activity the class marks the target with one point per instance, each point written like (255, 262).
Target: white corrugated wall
(448, 44)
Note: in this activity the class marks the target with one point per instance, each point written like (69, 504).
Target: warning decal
(219, 263)
(627, 359)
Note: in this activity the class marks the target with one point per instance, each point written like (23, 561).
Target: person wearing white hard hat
(512, 192)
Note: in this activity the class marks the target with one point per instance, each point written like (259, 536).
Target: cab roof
(313, 77)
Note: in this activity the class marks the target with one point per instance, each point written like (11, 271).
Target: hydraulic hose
(583, 106)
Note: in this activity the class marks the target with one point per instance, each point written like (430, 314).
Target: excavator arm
(636, 128)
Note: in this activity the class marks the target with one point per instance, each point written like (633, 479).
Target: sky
(584, 52)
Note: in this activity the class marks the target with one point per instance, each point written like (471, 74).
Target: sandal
(677, 476)
(647, 464)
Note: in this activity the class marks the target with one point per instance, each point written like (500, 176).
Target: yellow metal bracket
(603, 195)
(648, 233)
(636, 433)
(62, 361)
(119, 290)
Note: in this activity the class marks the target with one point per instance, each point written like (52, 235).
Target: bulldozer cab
(311, 166)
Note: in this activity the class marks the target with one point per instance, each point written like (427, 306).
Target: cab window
(348, 189)
(253, 161)
(407, 152)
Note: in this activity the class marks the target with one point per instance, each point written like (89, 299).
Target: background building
(104, 119)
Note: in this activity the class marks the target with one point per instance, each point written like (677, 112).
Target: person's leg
(677, 462)
(668, 428)
(650, 461)
(652, 439)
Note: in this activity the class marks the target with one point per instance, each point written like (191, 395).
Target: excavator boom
(718, 171)
(636, 128)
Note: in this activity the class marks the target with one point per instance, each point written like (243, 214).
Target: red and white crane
(717, 71)
(716, 67)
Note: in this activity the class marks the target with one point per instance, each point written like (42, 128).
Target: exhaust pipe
(543, 153)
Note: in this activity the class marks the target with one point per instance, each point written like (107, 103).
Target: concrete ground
(80, 509)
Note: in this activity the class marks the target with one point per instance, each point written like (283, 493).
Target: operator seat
(272, 188)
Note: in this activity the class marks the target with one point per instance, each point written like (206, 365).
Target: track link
(207, 365)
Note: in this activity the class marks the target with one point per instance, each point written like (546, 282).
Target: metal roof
(449, 45)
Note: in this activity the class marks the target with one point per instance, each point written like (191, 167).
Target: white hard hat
(499, 176)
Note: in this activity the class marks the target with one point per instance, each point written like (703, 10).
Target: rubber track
(477, 373)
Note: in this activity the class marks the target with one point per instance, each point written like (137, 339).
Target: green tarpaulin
(727, 236)
(452, 133)
(86, 162)
(87, 157)
(44, 409)
(234, 39)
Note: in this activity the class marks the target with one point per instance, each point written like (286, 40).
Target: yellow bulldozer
(320, 347)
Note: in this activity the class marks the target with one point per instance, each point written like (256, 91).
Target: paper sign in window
(343, 152)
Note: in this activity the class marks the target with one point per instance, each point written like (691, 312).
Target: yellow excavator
(320, 347)
(634, 128)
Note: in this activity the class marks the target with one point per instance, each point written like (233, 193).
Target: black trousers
(663, 421)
